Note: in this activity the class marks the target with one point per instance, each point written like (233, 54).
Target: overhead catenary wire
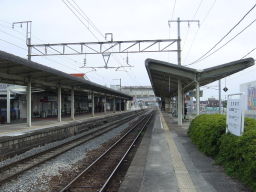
(76, 10)
(22, 34)
(173, 10)
(248, 53)
(13, 44)
(229, 40)
(193, 17)
(10, 43)
(76, 15)
(20, 39)
(216, 44)
(196, 34)
(88, 19)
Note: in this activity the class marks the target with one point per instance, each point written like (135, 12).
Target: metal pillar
(72, 104)
(8, 109)
(29, 48)
(92, 104)
(59, 104)
(114, 102)
(105, 105)
(197, 99)
(120, 102)
(179, 81)
(220, 96)
(29, 103)
(182, 104)
(125, 105)
(179, 102)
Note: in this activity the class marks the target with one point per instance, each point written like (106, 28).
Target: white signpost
(235, 114)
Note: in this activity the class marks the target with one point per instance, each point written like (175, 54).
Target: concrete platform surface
(15, 129)
(167, 161)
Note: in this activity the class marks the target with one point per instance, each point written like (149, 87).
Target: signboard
(3, 87)
(235, 114)
(193, 93)
(251, 92)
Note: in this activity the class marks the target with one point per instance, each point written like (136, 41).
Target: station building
(143, 96)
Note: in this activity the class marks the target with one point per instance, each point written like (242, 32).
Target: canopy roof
(164, 76)
(16, 70)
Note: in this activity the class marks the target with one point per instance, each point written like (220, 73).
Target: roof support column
(197, 98)
(183, 105)
(92, 104)
(72, 104)
(59, 104)
(179, 102)
(120, 103)
(125, 105)
(219, 96)
(29, 103)
(114, 104)
(8, 108)
(105, 104)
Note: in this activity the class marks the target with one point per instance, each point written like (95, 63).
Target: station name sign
(235, 114)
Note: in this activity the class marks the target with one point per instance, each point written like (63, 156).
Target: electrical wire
(82, 13)
(208, 12)
(13, 44)
(194, 15)
(198, 7)
(35, 38)
(173, 10)
(229, 40)
(89, 20)
(79, 18)
(215, 45)
(248, 53)
(20, 39)
(86, 18)
(196, 34)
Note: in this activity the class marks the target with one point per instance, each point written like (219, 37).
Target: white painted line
(184, 180)
(161, 123)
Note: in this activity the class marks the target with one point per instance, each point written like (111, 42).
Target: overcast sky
(53, 22)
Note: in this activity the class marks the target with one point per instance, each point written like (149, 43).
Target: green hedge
(236, 154)
(206, 130)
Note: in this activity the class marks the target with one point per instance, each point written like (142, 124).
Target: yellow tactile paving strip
(185, 183)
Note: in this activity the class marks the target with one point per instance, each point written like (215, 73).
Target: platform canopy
(16, 70)
(164, 76)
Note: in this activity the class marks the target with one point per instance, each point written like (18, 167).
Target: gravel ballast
(38, 178)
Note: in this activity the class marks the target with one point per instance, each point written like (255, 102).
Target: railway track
(97, 176)
(16, 168)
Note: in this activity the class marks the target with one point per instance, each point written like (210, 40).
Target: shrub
(206, 130)
(236, 154)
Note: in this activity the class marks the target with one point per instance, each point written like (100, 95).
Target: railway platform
(18, 138)
(167, 160)
(15, 129)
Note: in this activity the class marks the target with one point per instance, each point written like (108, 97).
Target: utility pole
(28, 34)
(180, 97)
(179, 21)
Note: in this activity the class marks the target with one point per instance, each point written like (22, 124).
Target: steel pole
(59, 104)
(220, 96)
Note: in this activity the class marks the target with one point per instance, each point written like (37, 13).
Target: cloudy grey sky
(53, 22)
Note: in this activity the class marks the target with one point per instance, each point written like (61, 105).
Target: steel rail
(69, 185)
(104, 187)
(55, 151)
